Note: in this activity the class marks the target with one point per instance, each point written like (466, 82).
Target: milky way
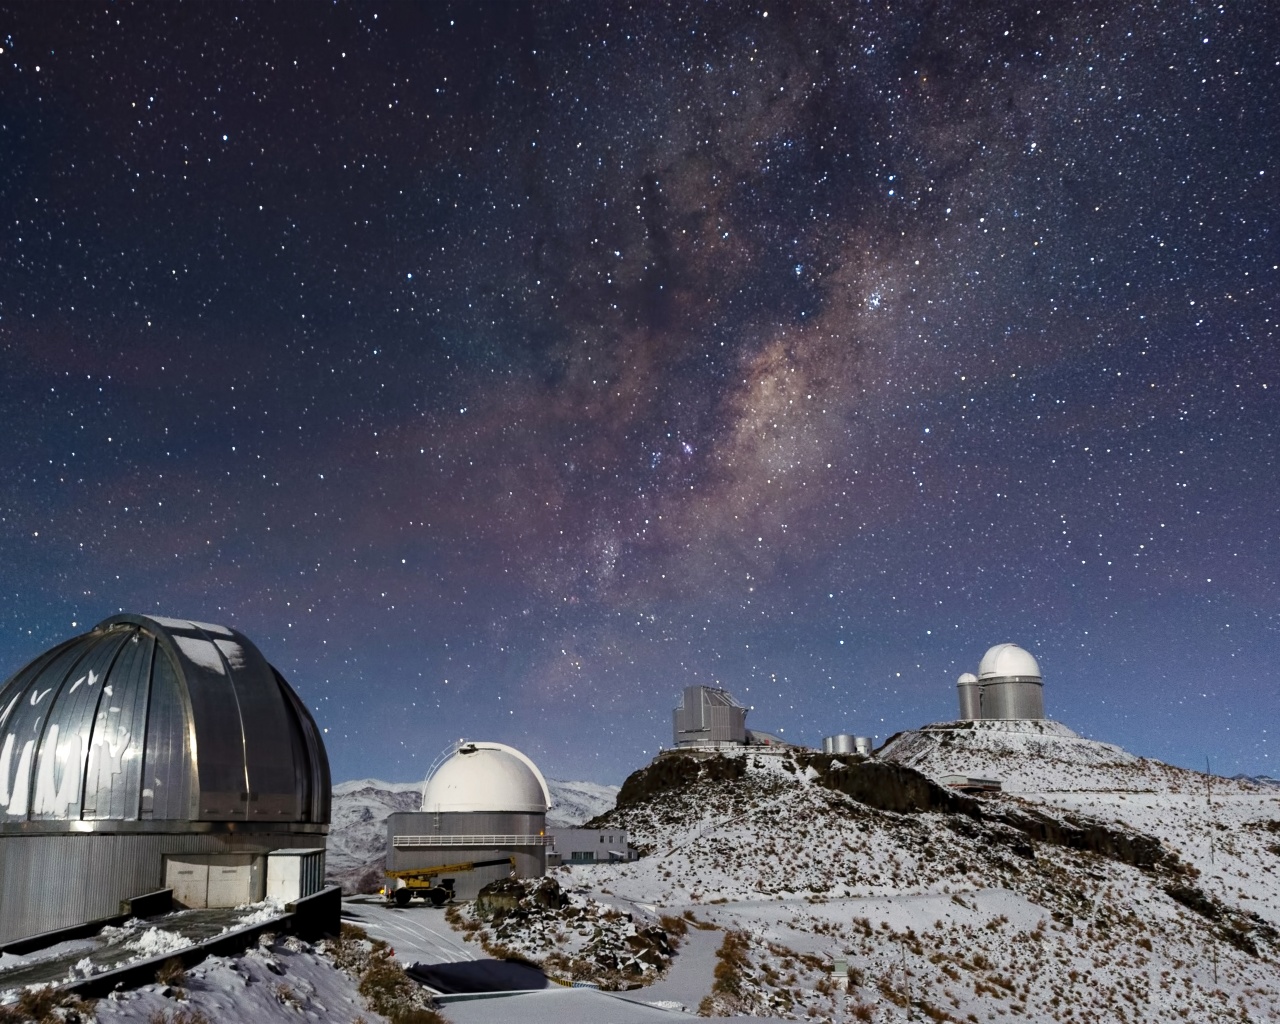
(502, 369)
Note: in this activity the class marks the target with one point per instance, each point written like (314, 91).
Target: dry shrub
(171, 973)
(47, 1006)
(392, 993)
(182, 1015)
(731, 961)
(675, 927)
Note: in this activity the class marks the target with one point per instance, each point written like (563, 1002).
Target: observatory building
(151, 753)
(707, 716)
(482, 802)
(1008, 686)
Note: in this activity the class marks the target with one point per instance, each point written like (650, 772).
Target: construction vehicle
(403, 886)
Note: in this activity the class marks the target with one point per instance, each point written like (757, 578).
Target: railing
(404, 842)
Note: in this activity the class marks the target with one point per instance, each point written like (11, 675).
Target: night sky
(502, 369)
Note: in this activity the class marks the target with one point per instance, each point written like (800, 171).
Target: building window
(583, 857)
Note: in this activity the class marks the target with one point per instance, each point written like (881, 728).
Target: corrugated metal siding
(53, 881)
(706, 715)
(293, 876)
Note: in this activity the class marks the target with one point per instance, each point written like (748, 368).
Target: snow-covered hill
(358, 830)
(1031, 757)
(1057, 903)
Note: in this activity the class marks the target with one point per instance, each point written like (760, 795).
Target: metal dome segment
(147, 719)
(1008, 661)
(485, 776)
(966, 679)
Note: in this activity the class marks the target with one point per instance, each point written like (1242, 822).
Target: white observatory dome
(966, 678)
(486, 777)
(1006, 661)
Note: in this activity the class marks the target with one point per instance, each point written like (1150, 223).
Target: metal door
(189, 880)
(231, 878)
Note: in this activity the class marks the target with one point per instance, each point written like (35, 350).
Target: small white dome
(966, 678)
(486, 777)
(1005, 660)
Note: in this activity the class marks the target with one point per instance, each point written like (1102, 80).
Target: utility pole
(1213, 823)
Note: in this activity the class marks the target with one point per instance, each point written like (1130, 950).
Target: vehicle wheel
(403, 896)
(439, 897)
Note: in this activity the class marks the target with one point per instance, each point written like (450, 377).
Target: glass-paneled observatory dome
(151, 719)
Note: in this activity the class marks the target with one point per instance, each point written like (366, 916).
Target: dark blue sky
(502, 369)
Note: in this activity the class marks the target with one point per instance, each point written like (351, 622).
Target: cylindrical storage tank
(970, 697)
(103, 797)
(485, 801)
(827, 744)
(842, 743)
(1011, 685)
(863, 745)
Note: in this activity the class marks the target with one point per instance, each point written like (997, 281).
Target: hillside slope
(968, 910)
(1220, 827)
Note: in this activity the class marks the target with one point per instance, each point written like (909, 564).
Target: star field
(501, 369)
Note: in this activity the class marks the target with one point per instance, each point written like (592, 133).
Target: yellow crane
(422, 881)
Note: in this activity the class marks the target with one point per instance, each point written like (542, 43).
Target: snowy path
(416, 933)
(691, 973)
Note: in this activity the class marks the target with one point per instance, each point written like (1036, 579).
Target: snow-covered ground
(1228, 830)
(287, 981)
(959, 914)
(418, 933)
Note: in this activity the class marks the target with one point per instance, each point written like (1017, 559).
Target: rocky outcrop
(570, 936)
(676, 772)
(897, 788)
(888, 787)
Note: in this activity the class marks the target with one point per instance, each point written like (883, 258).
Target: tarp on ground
(478, 976)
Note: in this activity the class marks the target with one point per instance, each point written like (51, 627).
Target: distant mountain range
(1259, 780)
